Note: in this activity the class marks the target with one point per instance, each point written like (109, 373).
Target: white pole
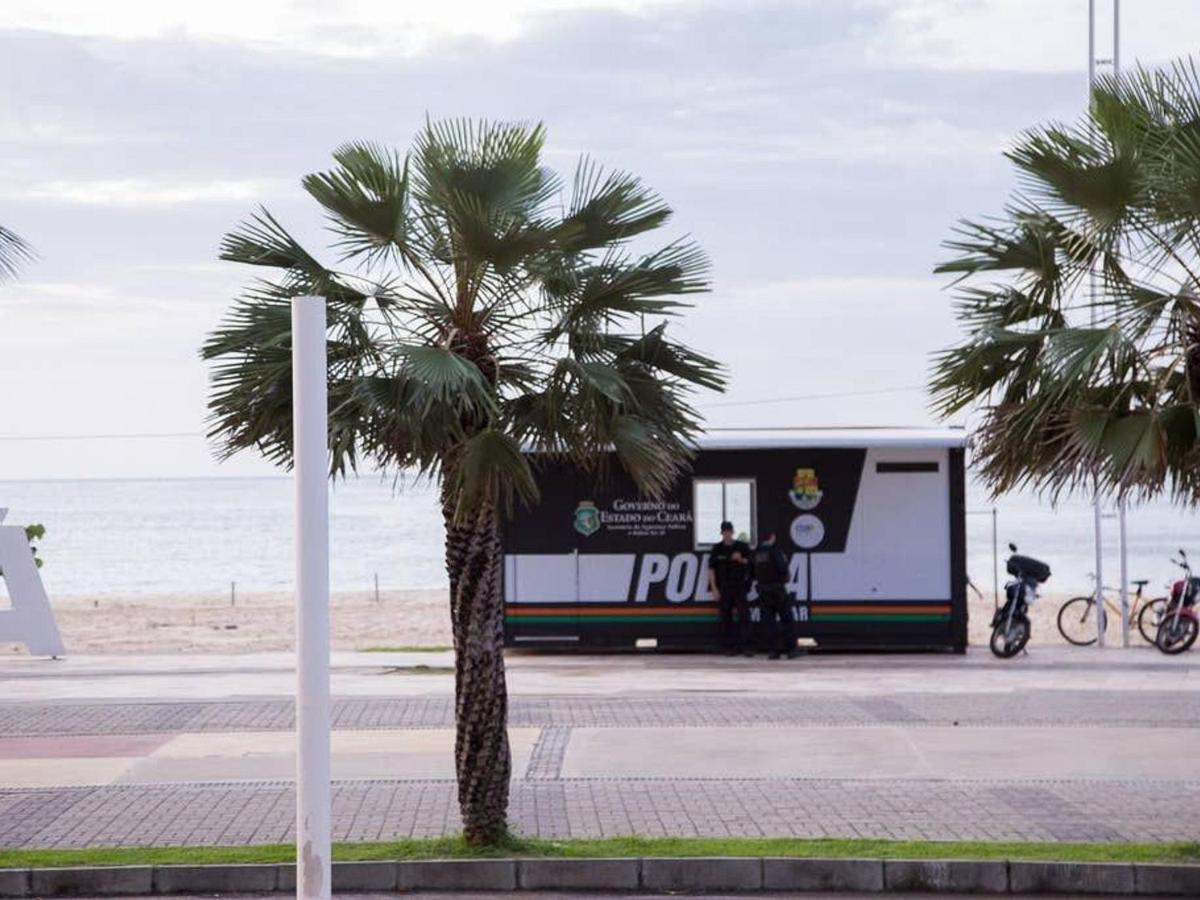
(1116, 37)
(1091, 48)
(1116, 62)
(1124, 575)
(311, 449)
(995, 562)
(1100, 623)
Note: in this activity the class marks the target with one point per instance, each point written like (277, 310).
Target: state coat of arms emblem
(587, 518)
(806, 492)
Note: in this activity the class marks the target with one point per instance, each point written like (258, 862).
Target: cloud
(45, 130)
(818, 151)
(145, 192)
(1025, 35)
(849, 350)
(345, 28)
(900, 143)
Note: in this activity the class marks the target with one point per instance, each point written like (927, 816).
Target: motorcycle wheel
(1176, 636)
(1007, 644)
(1077, 622)
(1150, 617)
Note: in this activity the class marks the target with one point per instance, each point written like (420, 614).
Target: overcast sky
(819, 152)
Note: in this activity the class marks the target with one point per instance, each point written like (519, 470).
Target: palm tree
(13, 252)
(1081, 303)
(482, 310)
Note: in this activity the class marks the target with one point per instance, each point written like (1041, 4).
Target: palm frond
(14, 253)
(263, 241)
(490, 468)
(449, 378)
(609, 207)
(367, 196)
(504, 317)
(1083, 361)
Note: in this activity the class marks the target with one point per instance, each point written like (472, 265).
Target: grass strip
(407, 648)
(456, 848)
(419, 669)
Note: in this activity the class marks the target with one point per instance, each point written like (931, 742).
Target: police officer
(771, 573)
(729, 582)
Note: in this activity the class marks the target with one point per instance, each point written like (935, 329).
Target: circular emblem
(806, 492)
(807, 531)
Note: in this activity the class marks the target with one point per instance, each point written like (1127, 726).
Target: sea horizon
(197, 535)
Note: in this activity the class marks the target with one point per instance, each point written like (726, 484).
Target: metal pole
(311, 452)
(995, 562)
(1091, 48)
(1124, 575)
(1100, 623)
(376, 587)
(1116, 62)
(1116, 37)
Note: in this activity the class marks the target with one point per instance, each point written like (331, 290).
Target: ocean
(196, 536)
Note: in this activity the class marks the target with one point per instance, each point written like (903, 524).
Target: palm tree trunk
(481, 753)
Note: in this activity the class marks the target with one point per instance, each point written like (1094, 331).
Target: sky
(819, 152)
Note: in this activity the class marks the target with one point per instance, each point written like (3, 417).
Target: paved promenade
(1064, 744)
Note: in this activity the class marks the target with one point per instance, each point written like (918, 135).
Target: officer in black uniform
(729, 581)
(771, 573)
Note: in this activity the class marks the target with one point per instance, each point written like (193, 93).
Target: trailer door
(899, 542)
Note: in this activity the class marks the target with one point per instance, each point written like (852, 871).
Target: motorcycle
(1010, 624)
(1179, 625)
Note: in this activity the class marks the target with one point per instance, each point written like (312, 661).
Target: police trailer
(872, 521)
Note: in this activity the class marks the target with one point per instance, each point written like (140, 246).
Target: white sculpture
(29, 621)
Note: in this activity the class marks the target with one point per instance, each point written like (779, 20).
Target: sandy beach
(209, 624)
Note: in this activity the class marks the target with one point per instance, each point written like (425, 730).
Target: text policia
(684, 576)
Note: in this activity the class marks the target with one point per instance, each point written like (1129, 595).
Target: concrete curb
(647, 875)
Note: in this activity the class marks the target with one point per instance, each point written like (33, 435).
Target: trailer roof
(748, 438)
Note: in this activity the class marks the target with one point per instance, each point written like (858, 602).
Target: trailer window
(715, 500)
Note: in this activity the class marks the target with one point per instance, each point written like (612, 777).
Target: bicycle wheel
(1077, 621)
(1149, 618)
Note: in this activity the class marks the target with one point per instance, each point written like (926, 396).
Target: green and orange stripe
(893, 611)
(622, 612)
(586, 613)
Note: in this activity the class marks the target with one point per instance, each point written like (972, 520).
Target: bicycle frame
(1111, 607)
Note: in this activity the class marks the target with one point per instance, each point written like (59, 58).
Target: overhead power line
(131, 436)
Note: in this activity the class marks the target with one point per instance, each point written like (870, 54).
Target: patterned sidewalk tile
(263, 812)
(1059, 708)
(546, 760)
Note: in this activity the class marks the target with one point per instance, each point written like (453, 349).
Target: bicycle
(1077, 624)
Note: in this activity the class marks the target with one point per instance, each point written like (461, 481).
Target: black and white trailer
(872, 520)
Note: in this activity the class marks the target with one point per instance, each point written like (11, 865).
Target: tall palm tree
(482, 309)
(1081, 303)
(13, 252)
